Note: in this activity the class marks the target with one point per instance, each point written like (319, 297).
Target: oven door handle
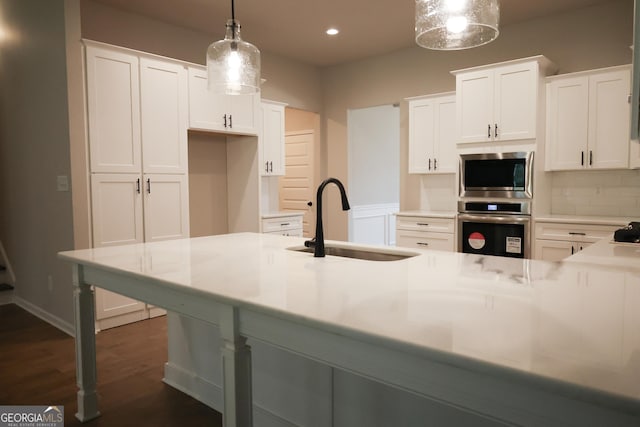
(496, 219)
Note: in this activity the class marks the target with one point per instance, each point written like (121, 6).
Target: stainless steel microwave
(505, 175)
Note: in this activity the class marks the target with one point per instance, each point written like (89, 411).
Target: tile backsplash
(602, 193)
(591, 193)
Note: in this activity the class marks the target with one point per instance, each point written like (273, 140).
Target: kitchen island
(506, 340)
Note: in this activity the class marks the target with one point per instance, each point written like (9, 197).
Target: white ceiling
(295, 28)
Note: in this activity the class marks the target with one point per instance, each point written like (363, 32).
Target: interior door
(296, 186)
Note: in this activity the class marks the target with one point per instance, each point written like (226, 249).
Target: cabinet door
(567, 123)
(205, 111)
(164, 116)
(243, 114)
(272, 139)
(116, 209)
(609, 119)
(444, 147)
(421, 135)
(515, 102)
(474, 106)
(553, 250)
(113, 98)
(166, 207)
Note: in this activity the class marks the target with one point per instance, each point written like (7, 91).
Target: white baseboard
(211, 395)
(55, 321)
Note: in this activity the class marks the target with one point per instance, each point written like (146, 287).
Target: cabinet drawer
(426, 240)
(574, 232)
(283, 223)
(432, 224)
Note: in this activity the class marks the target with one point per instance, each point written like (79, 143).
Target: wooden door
(297, 185)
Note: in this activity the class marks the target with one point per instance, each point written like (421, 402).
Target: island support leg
(236, 372)
(84, 311)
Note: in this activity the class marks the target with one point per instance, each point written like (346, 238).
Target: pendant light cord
(233, 19)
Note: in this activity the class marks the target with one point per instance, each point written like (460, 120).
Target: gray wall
(35, 219)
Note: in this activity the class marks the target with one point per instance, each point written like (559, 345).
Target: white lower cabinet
(556, 241)
(285, 225)
(133, 208)
(425, 232)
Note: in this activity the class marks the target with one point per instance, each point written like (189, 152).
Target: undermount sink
(364, 254)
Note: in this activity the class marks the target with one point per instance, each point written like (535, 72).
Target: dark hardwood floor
(37, 367)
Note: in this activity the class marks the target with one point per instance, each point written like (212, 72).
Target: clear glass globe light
(233, 65)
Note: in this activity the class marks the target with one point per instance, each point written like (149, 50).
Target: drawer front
(574, 232)
(281, 224)
(416, 223)
(297, 232)
(426, 240)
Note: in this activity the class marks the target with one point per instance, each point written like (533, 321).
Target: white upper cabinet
(164, 107)
(272, 138)
(588, 117)
(235, 114)
(499, 102)
(113, 97)
(432, 134)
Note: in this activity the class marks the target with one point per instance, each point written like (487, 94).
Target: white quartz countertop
(606, 252)
(561, 325)
(281, 214)
(584, 219)
(429, 214)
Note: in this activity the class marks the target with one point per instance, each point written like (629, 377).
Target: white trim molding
(373, 224)
(55, 321)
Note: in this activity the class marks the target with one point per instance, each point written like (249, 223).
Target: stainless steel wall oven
(488, 228)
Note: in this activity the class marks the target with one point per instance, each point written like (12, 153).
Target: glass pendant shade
(456, 24)
(233, 65)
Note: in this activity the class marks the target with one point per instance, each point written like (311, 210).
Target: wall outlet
(62, 183)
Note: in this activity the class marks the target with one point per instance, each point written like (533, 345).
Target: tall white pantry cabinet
(137, 114)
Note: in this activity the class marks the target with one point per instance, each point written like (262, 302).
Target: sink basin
(364, 254)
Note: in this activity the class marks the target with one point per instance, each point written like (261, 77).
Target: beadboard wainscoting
(373, 224)
(600, 193)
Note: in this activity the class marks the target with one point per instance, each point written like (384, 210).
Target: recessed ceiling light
(332, 31)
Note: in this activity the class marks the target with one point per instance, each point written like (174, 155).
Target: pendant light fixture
(233, 65)
(456, 24)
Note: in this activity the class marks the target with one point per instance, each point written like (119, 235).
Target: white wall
(36, 220)
(592, 37)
